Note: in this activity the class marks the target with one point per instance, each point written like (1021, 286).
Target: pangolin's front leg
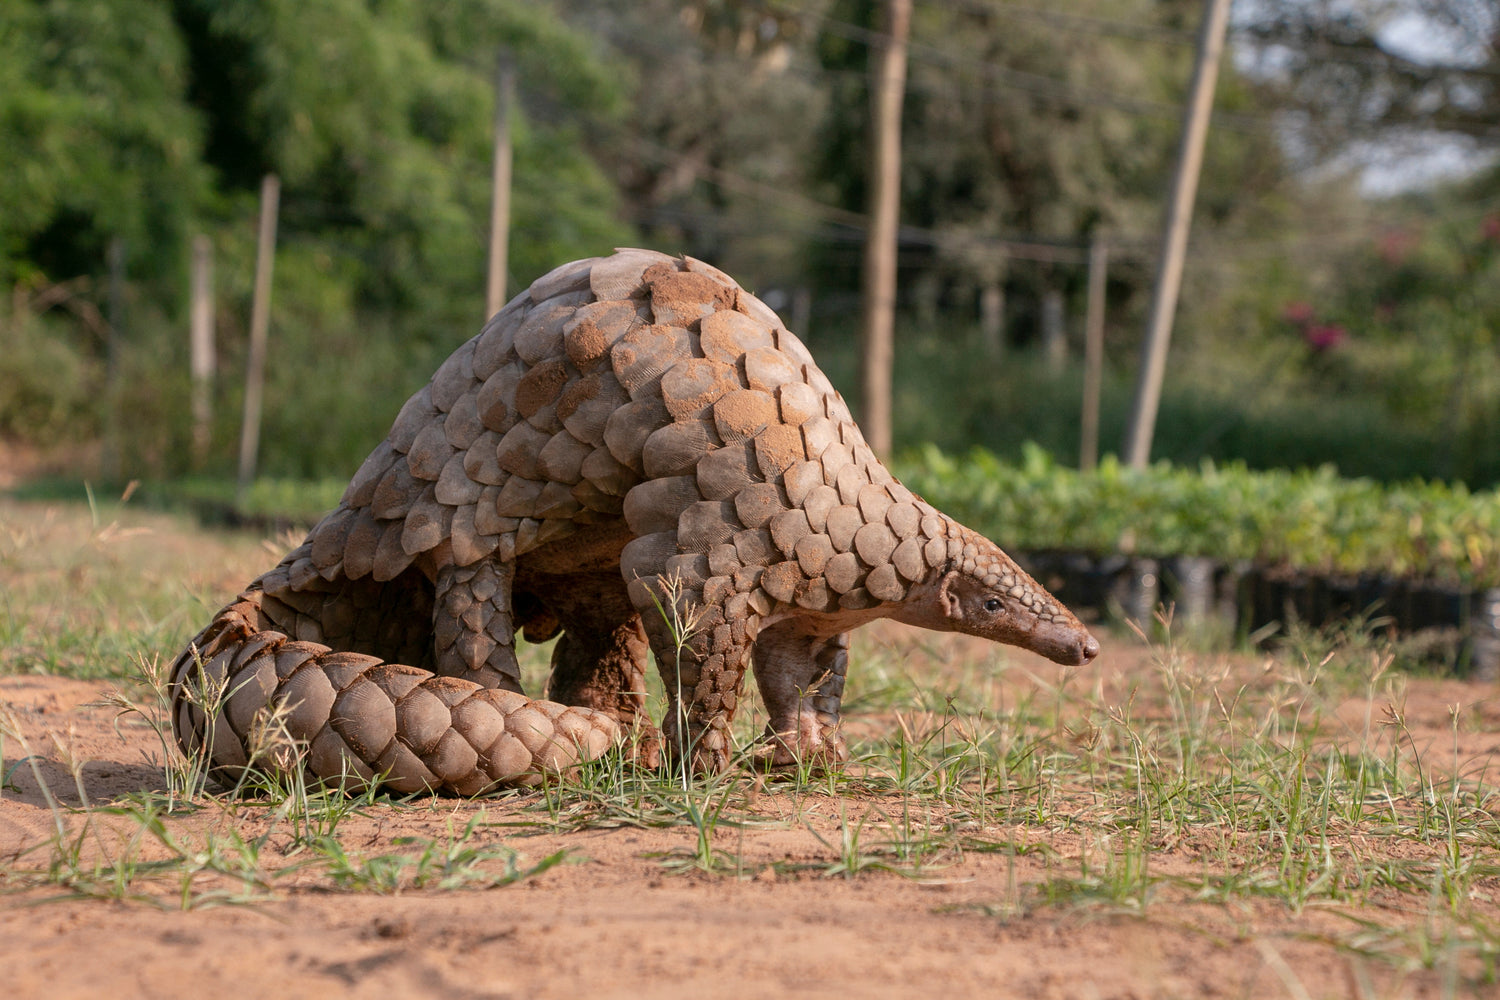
(473, 629)
(701, 637)
(703, 678)
(801, 681)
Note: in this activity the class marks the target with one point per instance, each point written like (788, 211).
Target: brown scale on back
(629, 429)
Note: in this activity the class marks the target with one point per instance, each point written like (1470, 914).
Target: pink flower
(1325, 336)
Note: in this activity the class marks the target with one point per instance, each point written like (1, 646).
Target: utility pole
(260, 320)
(1093, 357)
(201, 344)
(505, 97)
(1175, 234)
(878, 280)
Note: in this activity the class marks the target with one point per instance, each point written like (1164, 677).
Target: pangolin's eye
(993, 604)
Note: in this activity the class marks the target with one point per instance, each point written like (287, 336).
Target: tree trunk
(260, 322)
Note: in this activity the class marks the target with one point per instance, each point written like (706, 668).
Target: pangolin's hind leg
(801, 681)
(473, 629)
(600, 660)
(602, 668)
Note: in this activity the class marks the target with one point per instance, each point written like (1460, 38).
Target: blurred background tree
(148, 121)
(1337, 307)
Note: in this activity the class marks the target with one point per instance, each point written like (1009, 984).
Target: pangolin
(634, 452)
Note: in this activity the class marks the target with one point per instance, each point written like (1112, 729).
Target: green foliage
(1418, 305)
(45, 385)
(97, 139)
(392, 173)
(1020, 125)
(1255, 402)
(1309, 519)
(715, 149)
(150, 122)
(729, 129)
(1369, 68)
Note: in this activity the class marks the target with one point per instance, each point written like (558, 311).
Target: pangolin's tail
(246, 694)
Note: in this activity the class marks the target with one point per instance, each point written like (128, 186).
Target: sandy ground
(616, 923)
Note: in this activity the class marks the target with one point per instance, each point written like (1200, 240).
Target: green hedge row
(1308, 519)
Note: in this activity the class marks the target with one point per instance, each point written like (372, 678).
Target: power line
(830, 224)
(1023, 248)
(1060, 91)
(1070, 21)
(1039, 84)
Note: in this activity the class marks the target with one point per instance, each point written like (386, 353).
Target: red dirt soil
(618, 924)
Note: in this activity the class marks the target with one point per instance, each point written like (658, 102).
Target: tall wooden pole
(878, 308)
(1175, 234)
(260, 321)
(1054, 322)
(505, 97)
(992, 317)
(201, 344)
(114, 348)
(1093, 358)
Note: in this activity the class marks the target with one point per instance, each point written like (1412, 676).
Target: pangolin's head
(983, 592)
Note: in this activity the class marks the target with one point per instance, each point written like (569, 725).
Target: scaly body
(630, 431)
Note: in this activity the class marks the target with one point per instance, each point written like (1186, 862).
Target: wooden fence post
(114, 348)
(992, 317)
(202, 360)
(500, 180)
(260, 319)
(1093, 358)
(1054, 328)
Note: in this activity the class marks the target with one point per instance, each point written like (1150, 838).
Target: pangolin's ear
(953, 608)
